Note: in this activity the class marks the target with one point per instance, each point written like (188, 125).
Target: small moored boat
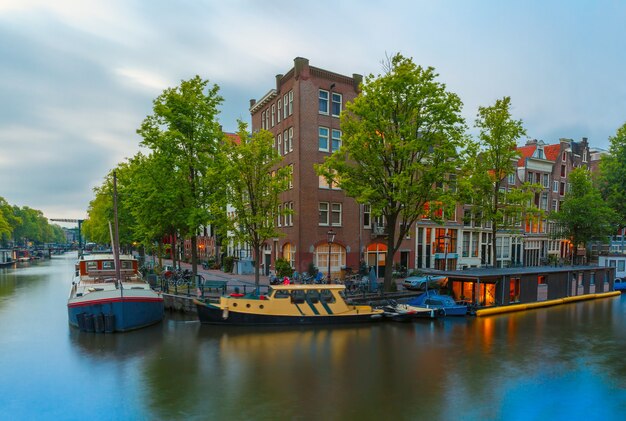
(400, 312)
(99, 302)
(432, 299)
(287, 305)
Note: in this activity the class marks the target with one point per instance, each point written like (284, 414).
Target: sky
(77, 77)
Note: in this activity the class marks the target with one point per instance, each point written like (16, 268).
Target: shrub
(229, 262)
(283, 268)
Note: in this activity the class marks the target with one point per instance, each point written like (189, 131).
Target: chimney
(301, 67)
(252, 102)
(357, 80)
(278, 79)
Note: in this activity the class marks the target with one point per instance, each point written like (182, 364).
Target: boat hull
(211, 314)
(115, 313)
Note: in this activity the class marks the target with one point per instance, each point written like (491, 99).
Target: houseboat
(6, 257)
(100, 302)
(491, 287)
(287, 305)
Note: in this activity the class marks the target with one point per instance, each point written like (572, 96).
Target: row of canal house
(302, 111)
(496, 287)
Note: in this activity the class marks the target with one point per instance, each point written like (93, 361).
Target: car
(420, 282)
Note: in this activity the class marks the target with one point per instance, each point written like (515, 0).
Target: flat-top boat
(287, 305)
(99, 302)
(432, 299)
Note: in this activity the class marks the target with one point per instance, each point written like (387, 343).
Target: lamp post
(331, 238)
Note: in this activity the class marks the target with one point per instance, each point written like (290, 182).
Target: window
(290, 139)
(267, 119)
(290, 102)
(285, 101)
(514, 284)
(511, 180)
(263, 120)
(285, 142)
(323, 102)
(323, 139)
(286, 215)
(323, 213)
(280, 142)
(323, 183)
(562, 190)
(555, 186)
(336, 104)
(280, 209)
(564, 157)
(475, 244)
(546, 180)
(585, 155)
(279, 110)
(273, 115)
(290, 176)
(562, 170)
(466, 243)
(367, 216)
(554, 206)
(336, 214)
(544, 201)
(529, 178)
(336, 139)
(621, 265)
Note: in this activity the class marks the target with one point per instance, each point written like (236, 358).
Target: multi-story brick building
(302, 112)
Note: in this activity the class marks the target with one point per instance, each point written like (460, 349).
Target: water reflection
(558, 362)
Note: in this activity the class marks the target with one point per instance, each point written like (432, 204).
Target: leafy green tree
(489, 161)
(584, 215)
(6, 221)
(184, 130)
(253, 188)
(612, 179)
(400, 140)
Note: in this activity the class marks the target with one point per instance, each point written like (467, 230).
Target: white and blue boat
(99, 301)
(432, 299)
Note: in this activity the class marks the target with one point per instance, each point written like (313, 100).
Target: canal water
(565, 362)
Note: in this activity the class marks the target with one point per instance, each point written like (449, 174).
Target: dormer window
(540, 153)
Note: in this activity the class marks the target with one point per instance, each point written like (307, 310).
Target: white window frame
(290, 102)
(327, 137)
(279, 110)
(323, 100)
(285, 110)
(335, 139)
(290, 139)
(280, 143)
(285, 142)
(263, 119)
(280, 208)
(336, 209)
(332, 102)
(273, 115)
(555, 186)
(511, 179)
(367, 209)
(321, 212)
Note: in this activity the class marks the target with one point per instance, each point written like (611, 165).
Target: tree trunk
(494, 225)
(194, 259)
(174, 255)
(391, 251)
(257, 265)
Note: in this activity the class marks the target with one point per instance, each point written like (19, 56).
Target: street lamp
(331, 238)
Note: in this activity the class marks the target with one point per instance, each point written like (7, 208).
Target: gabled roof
(233, 136)
(552, 151)
(526, 151)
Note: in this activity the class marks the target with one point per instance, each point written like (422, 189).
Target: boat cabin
(503, 286)
(101, 268)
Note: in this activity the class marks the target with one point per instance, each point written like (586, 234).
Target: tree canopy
(400, 142)
(612, 178)
(489, 161)
(253, 188)
(584, 215)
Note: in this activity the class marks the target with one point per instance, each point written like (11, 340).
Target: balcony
(379, 230)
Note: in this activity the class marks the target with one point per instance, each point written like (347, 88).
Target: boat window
(297, 297)
(326, 296)
(313, 296)
(92, 266)
(127, 264)
(432, 302)
(107, 264)
(281, 294)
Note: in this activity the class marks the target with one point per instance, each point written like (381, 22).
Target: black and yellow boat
(287, 305)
